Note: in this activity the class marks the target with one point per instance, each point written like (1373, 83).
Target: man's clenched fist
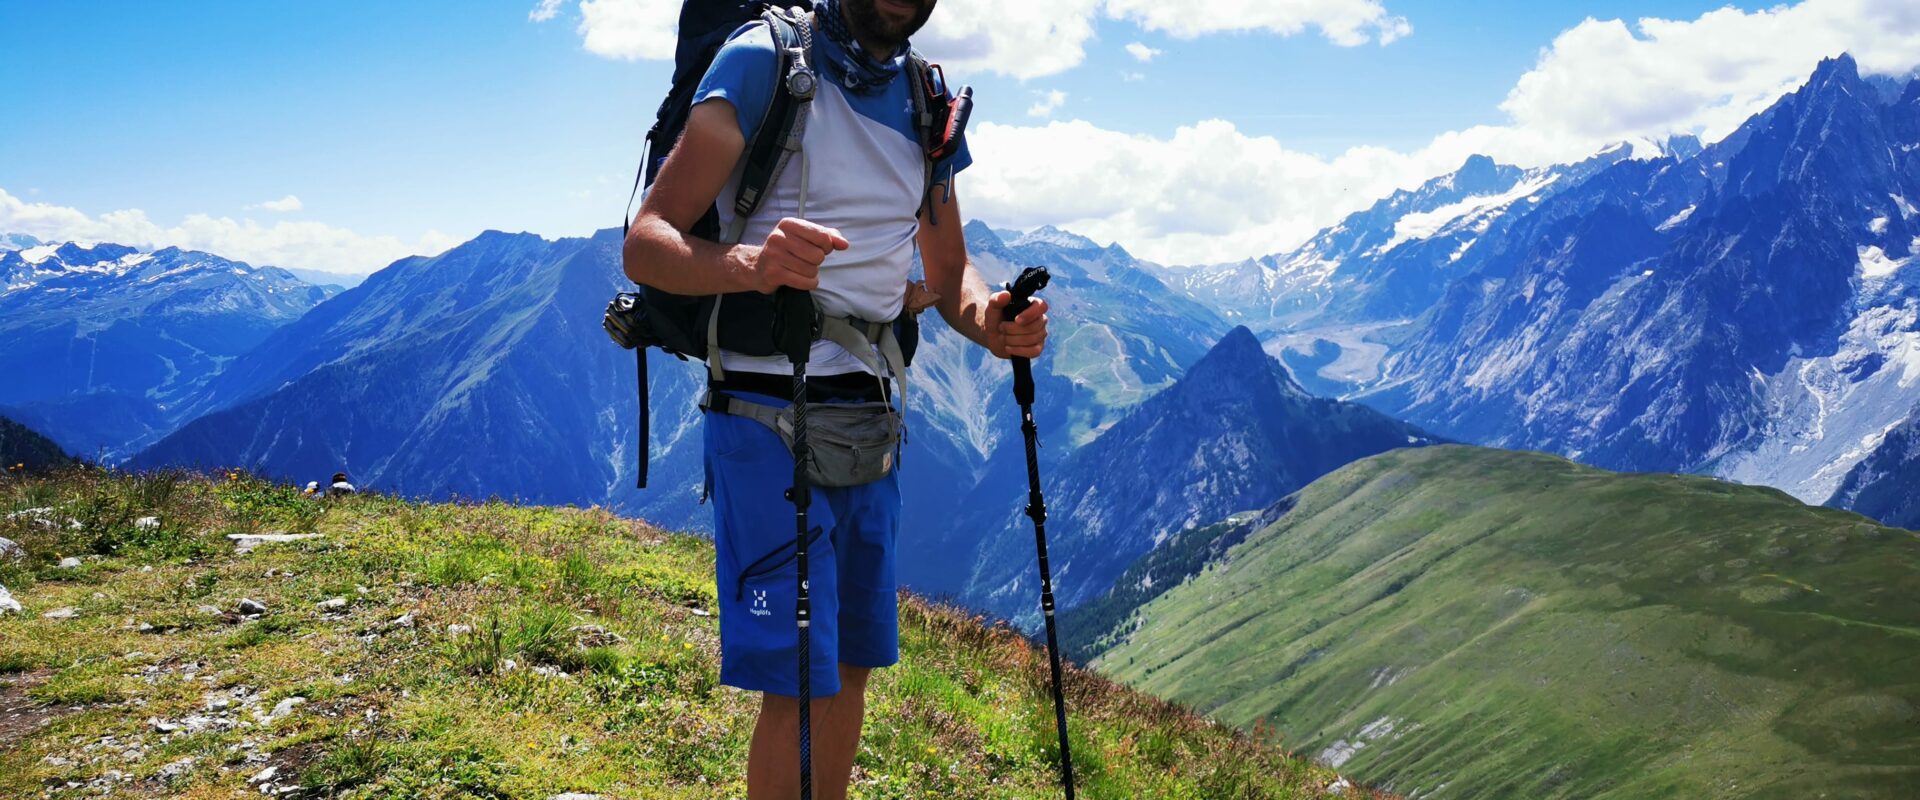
(792, 256)
(1025, 335)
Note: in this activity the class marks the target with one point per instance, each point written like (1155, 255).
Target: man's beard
(866, 22)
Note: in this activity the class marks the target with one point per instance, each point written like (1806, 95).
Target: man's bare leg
(773, 759)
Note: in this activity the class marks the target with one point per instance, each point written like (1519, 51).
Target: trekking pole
(794, 328)
(1032, 280)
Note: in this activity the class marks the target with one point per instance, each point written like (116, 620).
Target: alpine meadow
(1096, 399)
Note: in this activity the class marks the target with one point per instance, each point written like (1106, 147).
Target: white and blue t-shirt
(866, 175)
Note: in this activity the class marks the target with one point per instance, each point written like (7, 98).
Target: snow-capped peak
(1047, 234)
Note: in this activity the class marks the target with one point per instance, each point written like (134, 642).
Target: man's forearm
(965, 307)
(661, 256)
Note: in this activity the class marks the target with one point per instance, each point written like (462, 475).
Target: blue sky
(418, 124)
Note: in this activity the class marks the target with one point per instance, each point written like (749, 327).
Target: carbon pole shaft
(1032, 280)
(795, 325)
(802, 494)
(1037, 511)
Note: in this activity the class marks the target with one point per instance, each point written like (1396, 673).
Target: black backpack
(684, 325)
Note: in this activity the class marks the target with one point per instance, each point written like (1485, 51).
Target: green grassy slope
(1496, 624)
(155, 687)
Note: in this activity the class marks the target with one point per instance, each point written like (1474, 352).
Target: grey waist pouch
(852, 443)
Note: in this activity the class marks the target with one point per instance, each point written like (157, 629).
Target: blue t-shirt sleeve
(742, 74)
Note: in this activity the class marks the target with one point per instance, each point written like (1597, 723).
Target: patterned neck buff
(845, 61)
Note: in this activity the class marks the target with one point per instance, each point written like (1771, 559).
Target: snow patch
(1907, 211)
(1423, 224)
(1677, 218)
(1878, 225)
(1874, 262)
(35, 255)
(1825, 413)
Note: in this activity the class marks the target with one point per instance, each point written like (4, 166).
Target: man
(865, 185)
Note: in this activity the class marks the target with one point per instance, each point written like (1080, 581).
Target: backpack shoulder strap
(924, 125)
(780, 133)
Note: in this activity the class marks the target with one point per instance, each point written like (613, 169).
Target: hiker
(340, 487)
(874, 192)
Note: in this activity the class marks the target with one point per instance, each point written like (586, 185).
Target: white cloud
(1049, 102)
(282, 205)
(1602, 79)
(1207, 193)
(1018, 38)
(1141, 52)
(1344, 22)
(629, 29)
(310, 245)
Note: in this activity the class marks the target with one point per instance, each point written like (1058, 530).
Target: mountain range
(1743, 309)
(106, 343)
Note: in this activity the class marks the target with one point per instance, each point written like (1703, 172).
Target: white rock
(333, 604)
(403, 621)
(457, 629)
(177, 770)
(61, 613)
(163, 726)
(576, 796)
(69, 563)
(11, 550)
(249, 605)
(246, 542)
(285, 707)
(8, 605)
(264, 775)
(211, 611)
(1339, 787)
(146, 523)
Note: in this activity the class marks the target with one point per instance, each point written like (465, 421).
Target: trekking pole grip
(1023, 288)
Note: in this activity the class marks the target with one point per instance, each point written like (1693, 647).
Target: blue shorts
(856, 614)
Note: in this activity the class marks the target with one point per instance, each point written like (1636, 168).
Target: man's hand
(1025, 335)
(792, 256)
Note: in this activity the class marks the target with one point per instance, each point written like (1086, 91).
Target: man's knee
(854, 678)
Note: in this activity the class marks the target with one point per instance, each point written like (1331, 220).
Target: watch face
(800, 83)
